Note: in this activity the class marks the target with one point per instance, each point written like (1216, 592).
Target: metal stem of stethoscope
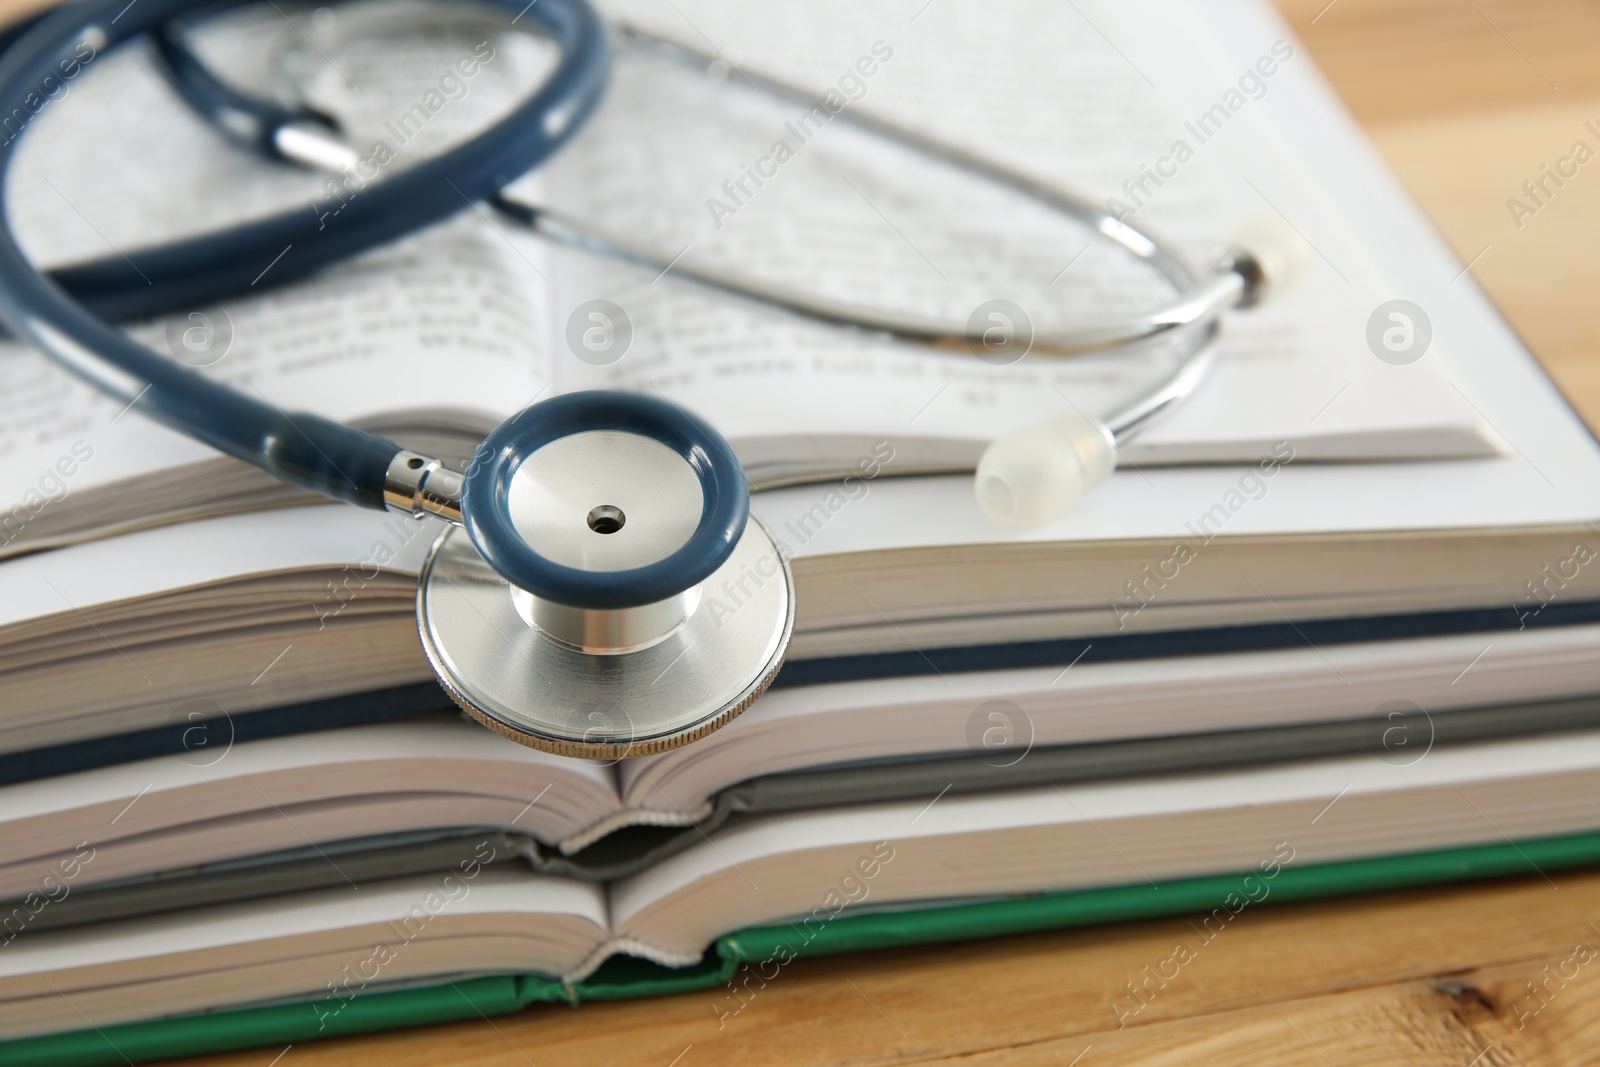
(1197, 312)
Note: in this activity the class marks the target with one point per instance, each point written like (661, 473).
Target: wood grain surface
(1466, 99)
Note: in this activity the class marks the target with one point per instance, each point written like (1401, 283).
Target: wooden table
(1466, 98)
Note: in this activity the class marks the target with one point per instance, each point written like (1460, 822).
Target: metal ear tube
(1029, 478)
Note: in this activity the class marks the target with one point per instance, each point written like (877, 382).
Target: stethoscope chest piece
(650, 608)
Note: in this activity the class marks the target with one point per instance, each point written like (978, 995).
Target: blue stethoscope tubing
(66, 313)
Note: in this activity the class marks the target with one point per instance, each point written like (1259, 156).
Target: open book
(487, 913)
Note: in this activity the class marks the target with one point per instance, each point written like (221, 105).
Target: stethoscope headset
(561, 605)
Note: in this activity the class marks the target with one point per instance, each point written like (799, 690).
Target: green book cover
(774, 946)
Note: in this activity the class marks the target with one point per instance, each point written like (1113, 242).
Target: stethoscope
(561, 606)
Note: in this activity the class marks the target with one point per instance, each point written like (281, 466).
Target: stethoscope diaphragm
(651, 608)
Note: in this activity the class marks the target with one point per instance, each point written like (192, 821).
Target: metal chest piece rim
(533, 687)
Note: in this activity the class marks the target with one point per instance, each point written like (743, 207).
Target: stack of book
(1330, 627)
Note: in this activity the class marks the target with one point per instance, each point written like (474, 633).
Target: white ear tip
(996, 495)
(1028, 478)
(1278, 249)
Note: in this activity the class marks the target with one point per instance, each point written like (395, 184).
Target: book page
(448, 321)
(812, 866)
(208, 552)
(366, 780)
(331, 944)
(806, 727)
(709, 170)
